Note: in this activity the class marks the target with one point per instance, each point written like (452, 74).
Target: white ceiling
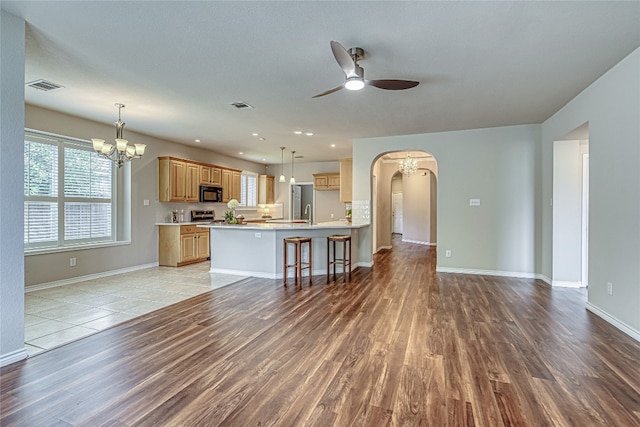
(178, 65)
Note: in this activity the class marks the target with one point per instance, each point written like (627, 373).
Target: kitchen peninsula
(257, 249)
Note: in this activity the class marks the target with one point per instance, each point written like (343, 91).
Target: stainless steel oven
(211, 194)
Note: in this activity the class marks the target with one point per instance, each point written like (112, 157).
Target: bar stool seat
(298, 265)
(345, 239)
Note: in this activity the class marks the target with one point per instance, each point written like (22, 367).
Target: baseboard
(13, 357)
(367, 264)
(95, 276)
(614, 322)
(562, 284)
(384, 248)
(418, 242)
(515, 274)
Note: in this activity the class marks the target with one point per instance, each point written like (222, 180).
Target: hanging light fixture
(282, 178)
(408, 165)
(121, 151)
(293, 178)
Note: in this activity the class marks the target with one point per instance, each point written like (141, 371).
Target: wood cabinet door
(192, 183)
(216, 176)
(270, 197)
(346, 180)
(320, 182)
(177, 181)
(226, 185)
(202, 244)
(187, 247)
(235, 185)
(334, 181)
(205, 175)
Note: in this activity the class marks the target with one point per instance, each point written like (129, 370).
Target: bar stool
(346, 255)
(298, 265)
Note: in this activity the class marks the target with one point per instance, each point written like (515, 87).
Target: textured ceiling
(178, 65)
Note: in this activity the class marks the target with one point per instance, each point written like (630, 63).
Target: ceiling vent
(44, 85)
(242, 106)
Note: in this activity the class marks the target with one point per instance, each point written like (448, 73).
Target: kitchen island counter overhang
(257, 249)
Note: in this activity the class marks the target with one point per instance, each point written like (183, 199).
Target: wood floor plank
(398, 344)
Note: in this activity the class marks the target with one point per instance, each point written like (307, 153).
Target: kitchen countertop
(285, 226)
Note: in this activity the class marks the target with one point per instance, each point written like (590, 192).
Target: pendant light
(121, 151)
(293, 178)
(282, 178)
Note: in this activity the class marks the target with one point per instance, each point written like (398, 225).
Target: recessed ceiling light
(197, 140)
(333, 145)
(241, 153)
(309, 133)
(254, 134)
(264, 160)
(298, 132)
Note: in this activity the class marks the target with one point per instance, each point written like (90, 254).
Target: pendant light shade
(282, 178)
(293, 178)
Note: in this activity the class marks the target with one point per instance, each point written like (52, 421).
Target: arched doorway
(404, 204)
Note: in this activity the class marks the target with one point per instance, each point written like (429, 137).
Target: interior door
(396, 212)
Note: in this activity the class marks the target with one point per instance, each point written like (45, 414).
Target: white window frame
(60, 199)
(245, 198)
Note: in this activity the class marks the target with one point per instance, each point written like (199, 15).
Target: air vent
(44, 85)
(242, 106)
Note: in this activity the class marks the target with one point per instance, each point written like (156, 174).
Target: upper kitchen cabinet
(346, 181)
(265, 190)
(210, 175)
(230, 184)
(326, 181)
(178, 180)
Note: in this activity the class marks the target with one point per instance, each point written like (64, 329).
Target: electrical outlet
(609, 288)
(447, 253)
(145, 202)
(258, 235)
(72, 262)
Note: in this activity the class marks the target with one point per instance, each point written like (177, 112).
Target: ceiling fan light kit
(354, 73)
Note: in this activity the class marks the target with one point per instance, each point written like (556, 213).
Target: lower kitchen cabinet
(179, 245)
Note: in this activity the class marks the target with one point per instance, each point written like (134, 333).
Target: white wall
(417, 208)
(12, 33)
(496, 165)
(611, 106)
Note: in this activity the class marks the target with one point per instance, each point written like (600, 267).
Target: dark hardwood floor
(398, 345)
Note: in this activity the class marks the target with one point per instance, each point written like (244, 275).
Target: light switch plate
(474, 202)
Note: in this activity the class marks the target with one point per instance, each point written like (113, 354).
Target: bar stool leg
(310, 261)
(284, 265)
(328, 259)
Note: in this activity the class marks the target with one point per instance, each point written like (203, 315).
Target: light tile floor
(62, 314)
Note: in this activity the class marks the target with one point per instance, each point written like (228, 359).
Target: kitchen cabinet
(236, 185)
(265, 190)
(178, 180)
(210, 175)
(346, 180)
(180, 245)
(226, 185)
(326, 181)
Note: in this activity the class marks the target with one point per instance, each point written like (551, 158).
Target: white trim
(364, 264)
(562, 284)
(71, 248)
(613, 321)
(14, 356)
(419, 242)
(516, 274)
(77, 279)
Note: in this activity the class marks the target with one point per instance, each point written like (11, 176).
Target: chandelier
(121, 151)
(408, 165)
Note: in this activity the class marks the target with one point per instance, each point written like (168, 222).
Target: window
(248, 189)
(69, 193)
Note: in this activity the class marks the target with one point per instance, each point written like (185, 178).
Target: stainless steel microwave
(211, 194)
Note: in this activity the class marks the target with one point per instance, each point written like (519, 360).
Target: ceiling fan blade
(345, 61)
(393, 84)
(335, 89)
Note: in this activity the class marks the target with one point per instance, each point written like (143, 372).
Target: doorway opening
(570, 201)
(404, 205)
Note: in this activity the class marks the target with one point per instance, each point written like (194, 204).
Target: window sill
(43, 251)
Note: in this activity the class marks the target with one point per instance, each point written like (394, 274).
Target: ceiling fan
(354, 74)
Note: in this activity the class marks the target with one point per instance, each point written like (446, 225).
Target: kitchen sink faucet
(307, 209)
